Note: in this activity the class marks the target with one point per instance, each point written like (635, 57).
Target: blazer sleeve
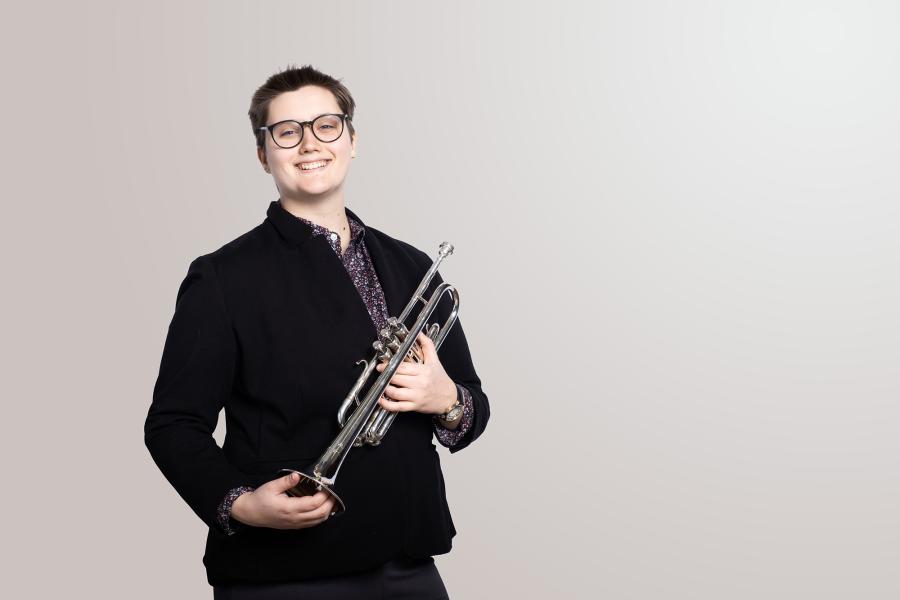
(457, 361)
(195, 377)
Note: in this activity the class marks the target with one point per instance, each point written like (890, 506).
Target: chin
(316, 194)
(316, 191)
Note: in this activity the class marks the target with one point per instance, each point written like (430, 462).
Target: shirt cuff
(223, 514)
(450, 437)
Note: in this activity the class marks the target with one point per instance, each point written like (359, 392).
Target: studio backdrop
(676, 230)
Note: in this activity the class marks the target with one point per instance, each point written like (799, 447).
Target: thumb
(288, 481)
(428, 350)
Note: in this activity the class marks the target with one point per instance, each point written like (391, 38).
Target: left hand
(423, 387)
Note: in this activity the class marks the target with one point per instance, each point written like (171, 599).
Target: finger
(286, 482)
(306, 503)
(321, 512)
(399, 394)
(301, 523)
(411, 368)
(316, 522)
(428, 348)
(329, 507)
(317, 514)
(405, 381)
(404, 368)
(395, 406)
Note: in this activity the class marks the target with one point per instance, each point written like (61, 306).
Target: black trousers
(408, 578)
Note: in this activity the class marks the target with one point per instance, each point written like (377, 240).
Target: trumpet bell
(310, 486)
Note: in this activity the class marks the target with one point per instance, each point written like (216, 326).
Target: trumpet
(369, 422)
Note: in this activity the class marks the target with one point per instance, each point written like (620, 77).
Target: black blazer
(270, 326)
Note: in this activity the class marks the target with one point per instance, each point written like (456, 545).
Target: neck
(328, 213)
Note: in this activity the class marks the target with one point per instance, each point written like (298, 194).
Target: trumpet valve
(402, 332)
(383, 352)
(393, 345)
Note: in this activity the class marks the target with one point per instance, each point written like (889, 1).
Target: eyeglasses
(288, 134)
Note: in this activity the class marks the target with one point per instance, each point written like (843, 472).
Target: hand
(423, 387)
(269, 506)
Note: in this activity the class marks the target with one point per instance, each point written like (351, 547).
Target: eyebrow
(305, 120)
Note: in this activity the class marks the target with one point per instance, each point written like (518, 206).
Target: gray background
(677, 250)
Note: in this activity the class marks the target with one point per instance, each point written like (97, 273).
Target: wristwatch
(454, 412)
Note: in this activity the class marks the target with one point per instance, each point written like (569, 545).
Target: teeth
(313, 165)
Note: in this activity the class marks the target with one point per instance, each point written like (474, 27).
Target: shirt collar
(298, 230)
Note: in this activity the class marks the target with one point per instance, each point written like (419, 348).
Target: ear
(353, 146)
(261, 155)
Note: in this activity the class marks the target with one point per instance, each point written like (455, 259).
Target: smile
(313, 166)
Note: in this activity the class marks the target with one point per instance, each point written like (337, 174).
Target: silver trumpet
(369, 422)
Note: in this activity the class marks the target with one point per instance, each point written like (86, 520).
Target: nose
(308, 141)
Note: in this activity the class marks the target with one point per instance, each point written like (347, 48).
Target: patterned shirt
(361, 270)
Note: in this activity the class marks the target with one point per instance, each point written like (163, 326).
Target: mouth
(313, 166)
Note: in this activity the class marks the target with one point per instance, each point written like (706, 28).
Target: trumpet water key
(369, 421)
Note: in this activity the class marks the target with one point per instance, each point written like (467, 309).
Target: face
(292, 181)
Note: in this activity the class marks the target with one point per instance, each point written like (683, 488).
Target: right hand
(270, 506)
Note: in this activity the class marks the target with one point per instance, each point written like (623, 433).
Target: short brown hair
(290, 79)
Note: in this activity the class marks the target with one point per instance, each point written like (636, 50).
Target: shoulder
(250, 245)
(399, 248)
(241, 254)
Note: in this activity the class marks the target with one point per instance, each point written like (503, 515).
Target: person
(270, 327)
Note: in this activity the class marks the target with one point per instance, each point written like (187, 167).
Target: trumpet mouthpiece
(446, 249)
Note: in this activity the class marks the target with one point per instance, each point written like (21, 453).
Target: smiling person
(270, 327)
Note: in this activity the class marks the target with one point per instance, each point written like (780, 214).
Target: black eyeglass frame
(302, 125)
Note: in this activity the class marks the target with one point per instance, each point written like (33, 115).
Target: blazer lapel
(333, 277)
(393, 284)
(338, 287)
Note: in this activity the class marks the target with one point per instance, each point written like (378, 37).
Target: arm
(457, 361)
(193, 385)
(223, 514)
(449, 434)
